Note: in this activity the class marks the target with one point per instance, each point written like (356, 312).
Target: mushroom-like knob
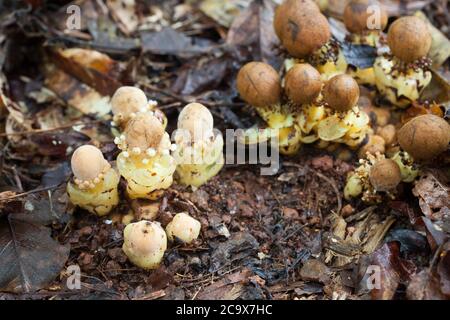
(259, 84)
(144, 243)
(196, 119)
(358, 15)
(183, 227)
(287, 6)
(303, 83)
(302, 28)
(143, 132)
(409, 38)
(375, 144)
(388, 133)
(88, 163)
(385, 175)
(424, 137)
(341, 92)
(127, 100)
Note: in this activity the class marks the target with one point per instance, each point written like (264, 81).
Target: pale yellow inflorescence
(197, 121)
(127, 102)
(183, 227)
(145, 243)
(142, 137)
(88, 166)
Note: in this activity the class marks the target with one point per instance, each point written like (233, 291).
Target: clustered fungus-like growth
(341, 93)
(307, 113)
(260, 86)
(343, 121)
(145, 243)
(95, 182)
(305, 33)
(302, 84)
(377, 176)
(375, 144)
(402, 77)
(145, 161)
(199, 153)
(385, 175)
(424, 137)
(183, 228)
(127, 102)
(373, 170)
(365, 20)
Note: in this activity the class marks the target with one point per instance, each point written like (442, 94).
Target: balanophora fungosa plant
(341, 121)
(260, 86)
(365, 20)
(128, 101)
(94, 186)
(305, 33)
(145, 161)
(421, 139)
(145, 243)
(183, 228)
(199, 153)
(402, 75)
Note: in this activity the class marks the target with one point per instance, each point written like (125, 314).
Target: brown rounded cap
(341, 92)
(259, 84)
(290, 5)
(88, 163)
(409, 38)
(388, 133)
(303, 31)
(197, 120)
(143, 132)
(358, 15)
(374, 145)
(302, 83)
(127, 100)
(424, 137)
(385, 175)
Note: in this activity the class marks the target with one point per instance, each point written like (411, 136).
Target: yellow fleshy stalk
(95, 183)
(199, 153)
(145, 161)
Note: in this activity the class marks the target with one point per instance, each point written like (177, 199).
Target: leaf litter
(287, 236)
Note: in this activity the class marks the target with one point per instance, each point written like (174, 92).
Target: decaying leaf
(29, 258)
(386, 271)
(434, 196)
(438, 90)
(223, 11)
(229, 288)
(124, 13)
(204, 75)
(239, 246)
(440, 45)
(361, 56)
(172, 42)
(253, 29)
(77, 94)
(91, 67)
(424, 286)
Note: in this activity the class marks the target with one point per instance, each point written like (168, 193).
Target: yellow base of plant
(143, 179)
(399, 88)
(197, 163)
(99, 200)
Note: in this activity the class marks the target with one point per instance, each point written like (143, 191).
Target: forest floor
(285, 236)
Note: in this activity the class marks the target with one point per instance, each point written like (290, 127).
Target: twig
(37, 131)
(19, 195)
